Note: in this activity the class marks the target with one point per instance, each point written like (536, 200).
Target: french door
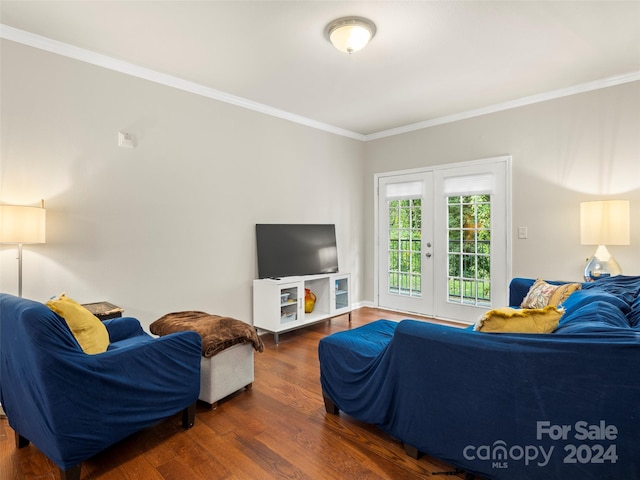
(443, 249)
(406, 242)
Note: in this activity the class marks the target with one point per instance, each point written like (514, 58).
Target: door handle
(428, 255)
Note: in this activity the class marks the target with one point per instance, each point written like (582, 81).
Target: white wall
(168, 225)
(565, 151)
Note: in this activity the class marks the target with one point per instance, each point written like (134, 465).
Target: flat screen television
(286, 250)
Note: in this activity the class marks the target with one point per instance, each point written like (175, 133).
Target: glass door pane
(405, 247)
(469, 249)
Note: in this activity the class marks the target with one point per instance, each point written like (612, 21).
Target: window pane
(469, 214)
(393, 282)
(416, 258)
(416, 286)
(403, 220)
(393, 218)
(484, 267)
(469, 245)
(405, 261)
(469, 266)
(454, 216)
(405, 246)
(416, 219)
(393, 261)
(470, 234)
(454, 265)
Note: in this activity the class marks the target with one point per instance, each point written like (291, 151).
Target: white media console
(278, 303)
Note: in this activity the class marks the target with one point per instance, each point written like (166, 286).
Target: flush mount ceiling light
(350, 34)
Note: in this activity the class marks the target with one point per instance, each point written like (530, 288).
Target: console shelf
(278, 303)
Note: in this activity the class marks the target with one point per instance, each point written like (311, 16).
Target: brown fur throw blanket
(217, 332)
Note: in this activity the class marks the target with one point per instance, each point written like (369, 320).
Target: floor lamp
(19, 225)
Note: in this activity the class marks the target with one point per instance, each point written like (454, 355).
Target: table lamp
(19, 225)
(603, 223)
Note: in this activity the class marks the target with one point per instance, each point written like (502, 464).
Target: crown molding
(88, 56)
(521, 102)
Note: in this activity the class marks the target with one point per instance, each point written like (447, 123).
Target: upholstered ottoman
(227, 350)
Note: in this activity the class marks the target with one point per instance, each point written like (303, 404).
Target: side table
(104, 310)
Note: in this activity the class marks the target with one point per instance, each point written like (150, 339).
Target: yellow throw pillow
(513, 320)
(90, 332)
(542, 294)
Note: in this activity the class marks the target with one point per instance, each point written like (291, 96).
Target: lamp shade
(22, 224)
(605, 222)
(350, 34)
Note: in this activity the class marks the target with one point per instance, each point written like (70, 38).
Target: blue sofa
(563, 405)
(72, 405)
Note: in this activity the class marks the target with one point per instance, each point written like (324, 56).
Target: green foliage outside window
(468, 252)
(469, 249)
(405, 246)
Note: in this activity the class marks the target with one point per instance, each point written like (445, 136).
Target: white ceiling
(429, 61)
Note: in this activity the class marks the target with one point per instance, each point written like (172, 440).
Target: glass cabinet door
(289, 296)
(341, 291)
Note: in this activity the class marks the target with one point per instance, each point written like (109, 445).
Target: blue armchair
(72, 405)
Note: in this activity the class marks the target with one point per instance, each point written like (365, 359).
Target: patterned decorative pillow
(542, 294)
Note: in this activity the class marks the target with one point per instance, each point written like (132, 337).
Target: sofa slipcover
(501, 406)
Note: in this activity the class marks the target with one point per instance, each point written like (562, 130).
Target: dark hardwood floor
(276, 430)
